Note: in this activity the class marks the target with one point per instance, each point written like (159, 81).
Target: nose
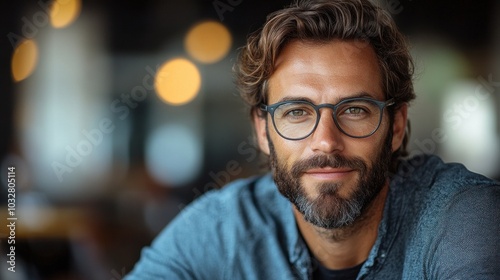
(327, 138)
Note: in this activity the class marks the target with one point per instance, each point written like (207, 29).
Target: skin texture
(327, 73)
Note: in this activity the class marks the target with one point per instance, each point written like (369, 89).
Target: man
(328, 84)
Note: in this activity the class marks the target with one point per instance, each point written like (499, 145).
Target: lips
(329, 173)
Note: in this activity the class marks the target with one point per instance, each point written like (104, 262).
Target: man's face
(329, 176)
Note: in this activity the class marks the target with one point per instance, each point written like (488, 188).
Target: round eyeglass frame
(381, 105)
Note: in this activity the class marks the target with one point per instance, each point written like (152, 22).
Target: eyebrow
(303, 98)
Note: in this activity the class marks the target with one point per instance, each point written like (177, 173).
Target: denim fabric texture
(440, 221)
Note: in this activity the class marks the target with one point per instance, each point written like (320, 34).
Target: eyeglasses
(356, 117)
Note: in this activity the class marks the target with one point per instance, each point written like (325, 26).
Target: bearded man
(328, 84)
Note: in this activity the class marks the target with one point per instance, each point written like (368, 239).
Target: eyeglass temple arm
(390, 102)
(264, 107)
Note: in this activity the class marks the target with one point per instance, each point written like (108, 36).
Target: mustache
(333, 161)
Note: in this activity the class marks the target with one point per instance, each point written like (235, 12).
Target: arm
(467, 244)
(188, 248)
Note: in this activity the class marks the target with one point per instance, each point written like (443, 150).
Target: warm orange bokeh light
(64, 12)
(208, 42)
(178, 81)
(24, 60)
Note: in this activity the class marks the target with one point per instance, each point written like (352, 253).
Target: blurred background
(117, 114)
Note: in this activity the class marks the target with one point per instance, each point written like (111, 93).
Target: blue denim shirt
(440, 221)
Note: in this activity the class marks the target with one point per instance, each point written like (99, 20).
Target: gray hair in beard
(329, 210)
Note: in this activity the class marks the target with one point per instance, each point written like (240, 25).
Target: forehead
(325, 72)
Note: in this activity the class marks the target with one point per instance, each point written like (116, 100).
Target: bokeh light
(24, 60)
(173, 155)
(469, 123)
(64, 12)
(208, 42)
(178, 81)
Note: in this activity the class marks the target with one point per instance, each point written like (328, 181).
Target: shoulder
(200, 241)
(456, 219)
(252, 196)
(466, 243)
(237, 204)
(429, 175)
(433, 187)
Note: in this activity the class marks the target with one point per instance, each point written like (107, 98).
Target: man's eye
(296, 113)
(354, 110)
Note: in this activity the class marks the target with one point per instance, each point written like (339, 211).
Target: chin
(342, 189)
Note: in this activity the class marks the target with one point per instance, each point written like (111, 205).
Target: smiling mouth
(329, 173)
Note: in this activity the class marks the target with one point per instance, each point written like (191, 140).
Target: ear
(399, 126)
(261, 132)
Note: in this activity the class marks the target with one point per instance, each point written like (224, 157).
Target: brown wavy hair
(322, 21)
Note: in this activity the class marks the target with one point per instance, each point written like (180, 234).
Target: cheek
(362, 148)
(287, 151)
(367, 148)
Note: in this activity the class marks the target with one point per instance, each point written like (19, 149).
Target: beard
(328, 209)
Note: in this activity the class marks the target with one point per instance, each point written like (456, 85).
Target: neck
(345, 247)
